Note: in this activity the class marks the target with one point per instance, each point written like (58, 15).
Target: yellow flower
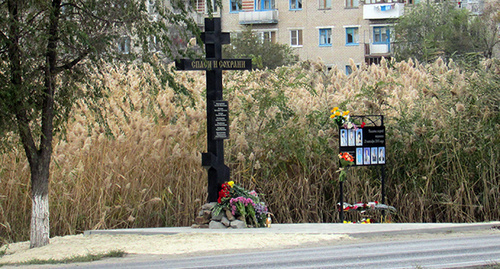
(335, 109)
(337, 113)
(332, 116)
(345, 113)
(230, 183)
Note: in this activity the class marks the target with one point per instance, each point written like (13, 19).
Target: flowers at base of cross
(224, 191)
(247, 205)
(346, 160)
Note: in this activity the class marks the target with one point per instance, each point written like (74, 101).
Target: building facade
(331, 31)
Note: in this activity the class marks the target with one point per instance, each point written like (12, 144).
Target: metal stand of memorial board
(367, 146)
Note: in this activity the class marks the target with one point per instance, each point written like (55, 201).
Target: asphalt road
(442, 252)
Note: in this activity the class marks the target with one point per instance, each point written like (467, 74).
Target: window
(295, 4)
(325, 4)
(235, 5)
(211, 5)
(352, 36)
(124, 45)
(153, 43)
(348, 69)
(351, 3)
(151, 6)
(296, 38)
(264, 5)
(325, 37)
(381, 35)
(267, 36)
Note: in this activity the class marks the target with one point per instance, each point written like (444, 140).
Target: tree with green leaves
(262, 50)
(50, 53)
(431, 30)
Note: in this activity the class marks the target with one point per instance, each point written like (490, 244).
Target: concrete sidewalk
(361, 230)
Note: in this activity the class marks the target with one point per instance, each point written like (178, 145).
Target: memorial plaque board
(221, 120)
(366, 145)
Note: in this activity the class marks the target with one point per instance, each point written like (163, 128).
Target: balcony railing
(259, 17)
(372, 49)
(383, 11)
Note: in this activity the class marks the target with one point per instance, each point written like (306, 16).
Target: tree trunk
(40, 228)
(39, 166)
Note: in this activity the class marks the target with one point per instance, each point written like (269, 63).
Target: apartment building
(333, 31)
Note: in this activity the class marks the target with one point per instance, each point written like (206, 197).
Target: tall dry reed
(442, 147)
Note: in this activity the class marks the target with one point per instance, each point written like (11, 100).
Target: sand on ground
(177, 244)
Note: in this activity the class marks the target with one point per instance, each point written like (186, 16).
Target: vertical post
(382, 179)
(218, 173)
(341, 202)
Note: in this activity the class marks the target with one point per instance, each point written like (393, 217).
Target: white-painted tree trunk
(40, 229)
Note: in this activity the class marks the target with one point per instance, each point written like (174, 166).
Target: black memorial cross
(217, 108)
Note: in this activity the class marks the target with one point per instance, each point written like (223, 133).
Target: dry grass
(442, 125)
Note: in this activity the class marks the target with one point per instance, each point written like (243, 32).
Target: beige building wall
(310, 20)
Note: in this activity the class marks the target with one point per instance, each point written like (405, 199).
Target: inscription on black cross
(217, 108)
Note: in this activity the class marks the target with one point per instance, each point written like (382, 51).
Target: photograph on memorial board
(343, 138)
(351, 141)
(381, 155)
(366, 154)
(374, 155)
(359, 137)
(359, 156)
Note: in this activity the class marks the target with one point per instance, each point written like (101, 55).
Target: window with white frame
(152, 43)
(211, 4)
(325, 37)
(325, 4)
(264, 5)
(352, 36)
(267, 36)
(295, 4)
(151, 6)
(351, 3)
(235, 5)
(296, 38)
(124, 44)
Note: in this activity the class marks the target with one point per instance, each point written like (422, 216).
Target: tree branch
(70, 65)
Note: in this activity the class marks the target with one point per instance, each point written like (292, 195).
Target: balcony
(382, 49)
(383, 11)
(259, 17)
(375, 52)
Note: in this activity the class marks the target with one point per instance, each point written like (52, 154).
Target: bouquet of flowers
(346, 160)
(242, 203)
(343, 119)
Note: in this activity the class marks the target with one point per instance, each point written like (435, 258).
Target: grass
(74, 259)
(442, 144)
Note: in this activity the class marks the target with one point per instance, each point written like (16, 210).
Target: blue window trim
(290, 5)
(261, 7)
(233, 11)
(346, 40)
(324, 31)
(378, 30)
